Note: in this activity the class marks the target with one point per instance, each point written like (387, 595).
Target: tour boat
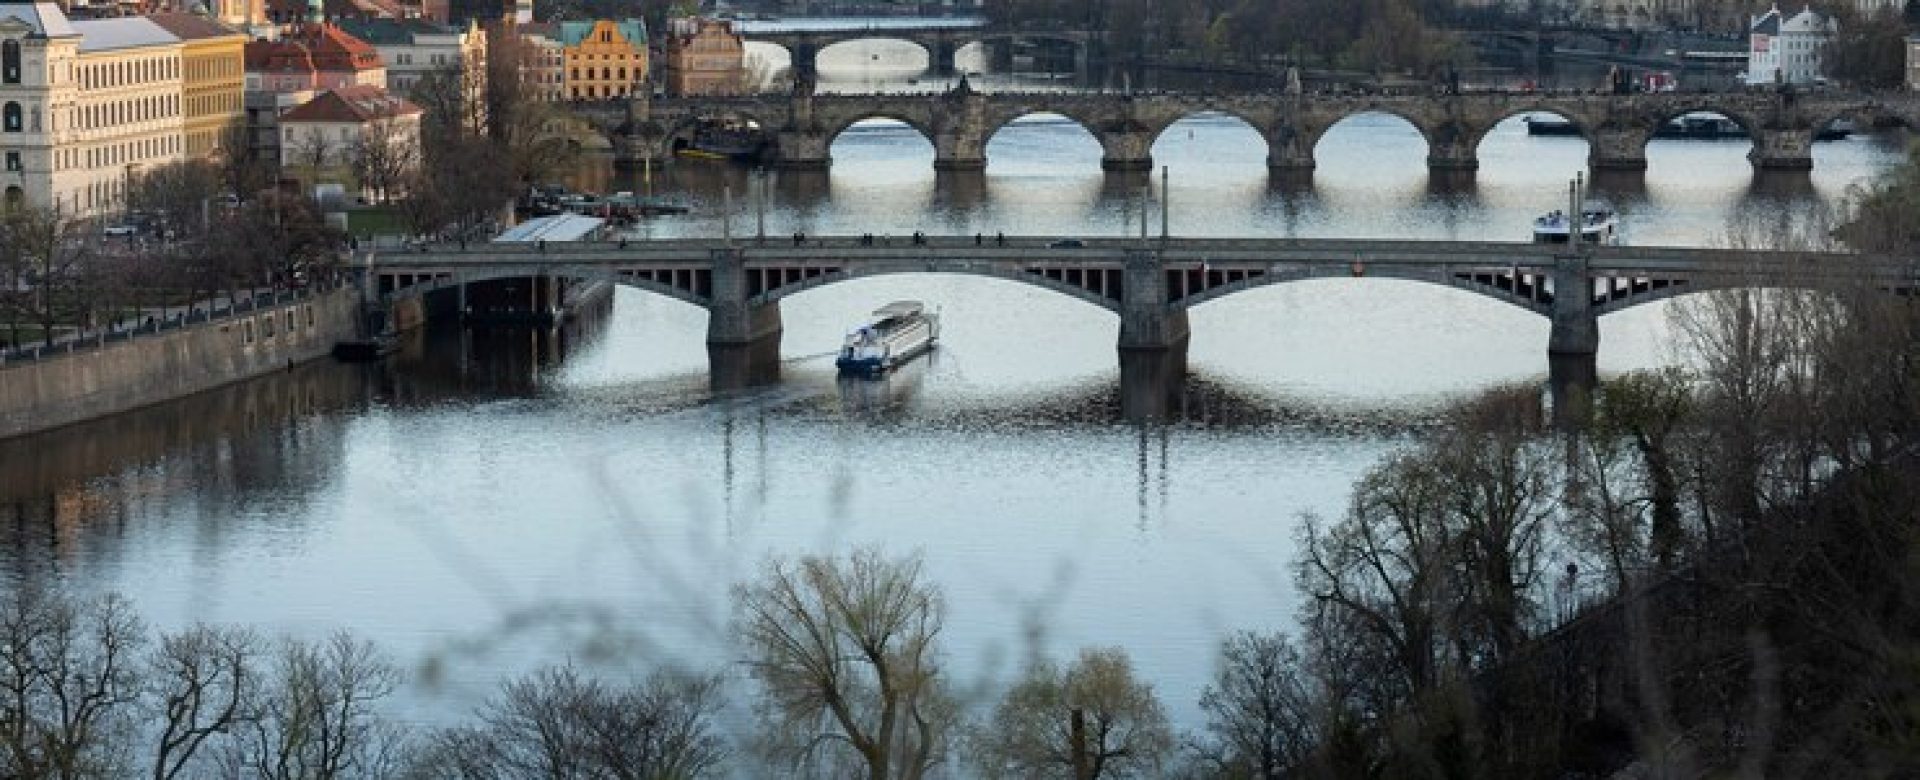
(899, 332)
(1597, 225)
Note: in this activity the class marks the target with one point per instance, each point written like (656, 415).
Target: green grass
(377, 221)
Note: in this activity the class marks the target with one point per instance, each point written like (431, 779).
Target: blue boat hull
(877, 367)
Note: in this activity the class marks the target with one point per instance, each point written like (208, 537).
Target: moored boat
(899, 332)
(1596, 222)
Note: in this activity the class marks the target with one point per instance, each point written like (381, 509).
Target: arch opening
(1372, 149)
(890, 143)
(720, 135)
(1700, 141)
(1220, 142)
(872, 60)
(1041, 143)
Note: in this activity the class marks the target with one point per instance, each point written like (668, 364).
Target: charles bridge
(1149, 283)
(802, 126)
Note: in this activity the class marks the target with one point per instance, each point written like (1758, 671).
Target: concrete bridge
(941, 42)
(802, 126)
(1150, 284)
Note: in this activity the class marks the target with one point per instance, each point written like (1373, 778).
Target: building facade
(416, 49)
(1785, 49)
(310, 58)
(357, 140)
(704, 57)
(543, 61)
(85, 106)
(213, 82)
(603, 59)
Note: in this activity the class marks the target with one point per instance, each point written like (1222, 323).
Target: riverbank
(118, 376)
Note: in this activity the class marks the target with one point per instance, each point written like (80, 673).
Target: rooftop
(188, 27)
(123, 33)
(45, 19)
(351, 104)
(391, 32)
(560, 227)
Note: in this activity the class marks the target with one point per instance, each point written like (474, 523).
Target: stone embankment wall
(121, 376)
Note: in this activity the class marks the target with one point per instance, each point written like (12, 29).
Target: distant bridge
(802, 126)
(1149, 283)
(942, 42)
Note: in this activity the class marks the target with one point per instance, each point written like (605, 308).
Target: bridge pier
(1782, 150)
(1290, 149)
(803, 150)
(743, 337)
(1150, 383)
(1153, 339)
(940, 57)
(958, 151)
(1126, 150)
(1451, 148)
(1576, 326)
(1618, 149)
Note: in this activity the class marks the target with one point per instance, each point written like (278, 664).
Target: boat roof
(899, 309)
(560, 227)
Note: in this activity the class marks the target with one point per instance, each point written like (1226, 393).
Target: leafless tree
(202, 681)
(46, 251)
(316, 717)
(68, 685)
(844, 650)
(382, 156)
(1260, 708)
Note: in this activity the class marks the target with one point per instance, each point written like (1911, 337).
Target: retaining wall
(121, 376)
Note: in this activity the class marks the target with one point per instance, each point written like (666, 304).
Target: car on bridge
(1067, 243)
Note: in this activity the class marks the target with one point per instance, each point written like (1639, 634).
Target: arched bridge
(941, 42)
(959, 122)
(1149, 283)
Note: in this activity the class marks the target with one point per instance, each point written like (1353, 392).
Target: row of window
(267, 322)
(215, 104)
(117, 74)
(201, 68)
(619, 90)
(115, 114)
(606, 74)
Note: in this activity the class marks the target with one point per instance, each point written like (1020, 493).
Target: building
(359, 140)
(213, 82)
(542, 60)
(84, 106)
(704, 57)
(1913, 63)
(414, 49)
(603, 59)
(310, 58)
(1785, 49)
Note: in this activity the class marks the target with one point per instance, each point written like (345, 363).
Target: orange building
(604, 59)
(704, 57)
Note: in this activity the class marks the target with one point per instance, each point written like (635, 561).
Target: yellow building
(604, 59)
(213, 82)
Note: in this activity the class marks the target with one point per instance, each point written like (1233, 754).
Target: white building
(85, 106)
(1785, 49)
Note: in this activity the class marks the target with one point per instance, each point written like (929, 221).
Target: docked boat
(899, 332)
(1596, 223)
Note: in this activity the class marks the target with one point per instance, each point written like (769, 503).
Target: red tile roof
(188, 27)
(351, 104)
(312, 49)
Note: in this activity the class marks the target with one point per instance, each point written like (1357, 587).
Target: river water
(491, 500)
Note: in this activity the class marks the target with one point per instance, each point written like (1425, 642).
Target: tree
(316, 716)
(45, 252)
(557, 723)
(1259, 708)
(1869, 49)
(382, 156)
(1092, 720)
(67, 685)
(202, 680)
(844, 650)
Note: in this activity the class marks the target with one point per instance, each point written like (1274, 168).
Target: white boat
(1597, 225)
(899, 332)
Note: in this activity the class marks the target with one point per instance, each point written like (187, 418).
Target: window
(10, 62)
(13, 161)
(11, 118)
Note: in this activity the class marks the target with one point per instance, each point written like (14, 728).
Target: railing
(154, 326)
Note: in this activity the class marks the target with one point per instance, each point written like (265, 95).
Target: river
(491, 500)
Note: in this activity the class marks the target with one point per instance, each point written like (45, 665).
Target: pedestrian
(977, 239)
(1000, 238)
(543, 245)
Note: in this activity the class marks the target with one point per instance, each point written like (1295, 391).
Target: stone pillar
(1782, 150)
(1451, 146)
(1150, 383)
(803, 150)
(960, 143)
(1617, 149)
(1126, 150)
(805, 66)
(1576, 328)
(1290, 148)
(1572, 381)
(743, 338)
(1147, 320)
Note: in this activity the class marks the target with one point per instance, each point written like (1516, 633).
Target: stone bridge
(802, 126)
(1150, 284)
(941, 43)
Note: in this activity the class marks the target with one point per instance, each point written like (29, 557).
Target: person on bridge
(977, 239)
(1000, 239)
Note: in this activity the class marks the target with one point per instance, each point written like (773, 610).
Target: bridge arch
(1660, 114)
(1524, 290)
(679, 128)
(878, 36)
(843, 123)
(1102, 291)
(1012, 121)
(1219, 132)
(691, 293)
(1357, 118)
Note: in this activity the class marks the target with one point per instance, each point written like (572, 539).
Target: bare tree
(844, 651)
(68, 686)
(202, 681)
(557, 723)
(1093, 719)
(385, 152)
(315, 719)
(1260, 711)
(45, 250)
